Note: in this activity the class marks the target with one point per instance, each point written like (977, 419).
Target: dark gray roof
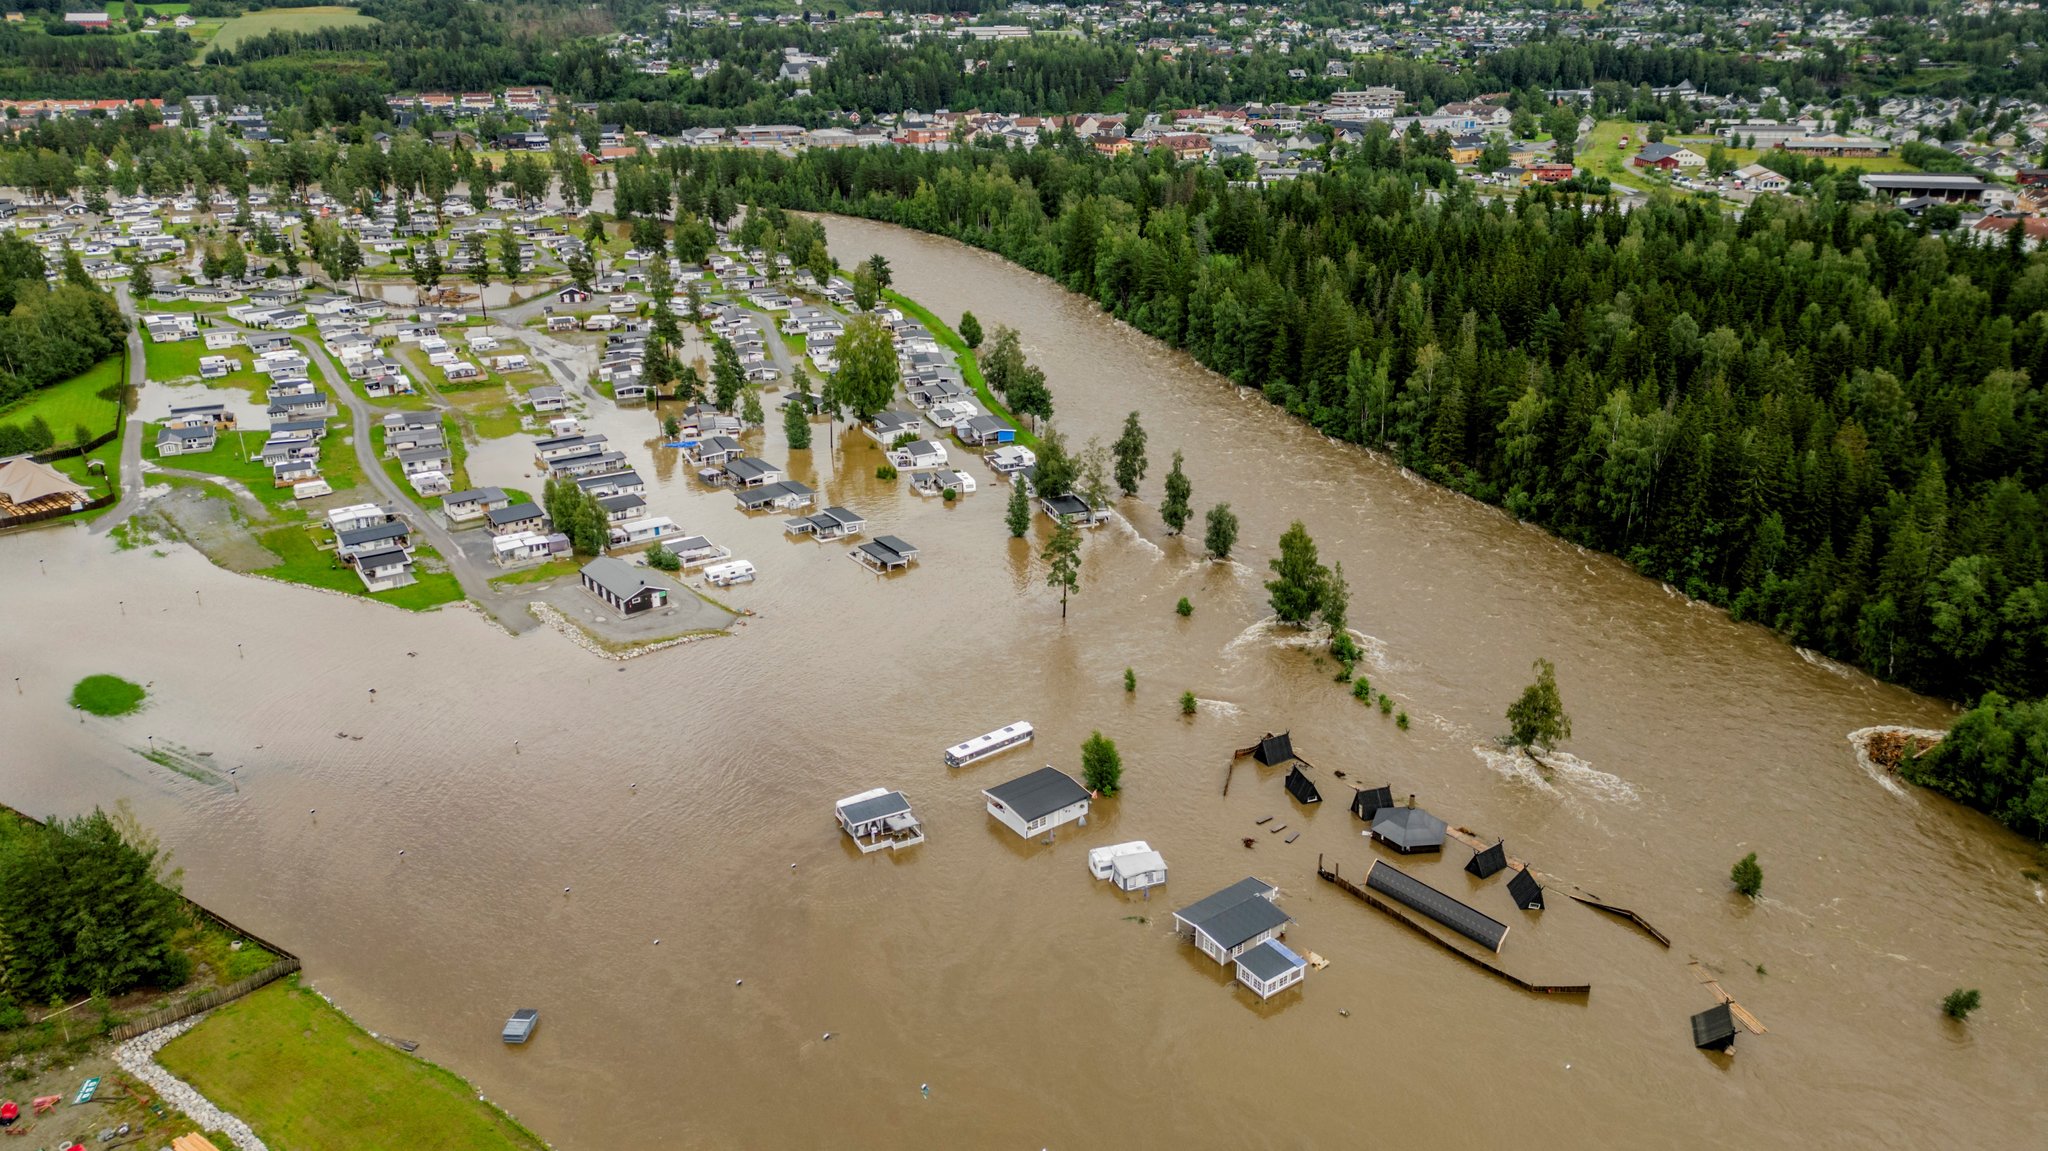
(473, 496)
(1369, 800)
(380, 558)
(1527, 893)
(1275, 750)
(1067, 504)
(1270, 960)
(390, 530)
(514, 513)
(1243, 889)
(870, 809)
(616, 576)
(620, 502)
(1301, 787)
(750, 467)
(1039, 794)
(1486, 863)
(1469, 922)
(1235, 914)
(1407, 829)
(1714, 1028)
(901, 547)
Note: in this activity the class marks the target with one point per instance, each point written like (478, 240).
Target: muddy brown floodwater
(674, 793)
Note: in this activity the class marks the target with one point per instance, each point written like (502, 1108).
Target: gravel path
(138, 1058)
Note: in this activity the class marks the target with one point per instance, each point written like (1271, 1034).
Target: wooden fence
(10, 522)
(207, 1002)
(1371, 901)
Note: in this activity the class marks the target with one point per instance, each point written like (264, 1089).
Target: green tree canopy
(867, 375)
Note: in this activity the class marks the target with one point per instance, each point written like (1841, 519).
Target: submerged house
(1270, 968)
(878, 819)
(1714, 1029)
(1273, 750)
(1040, 801)
(885, 554)
(1490, 862)
(1234, 920)
(1370, 801)
(1407, 830)
(1301, 787)
(1526, 892)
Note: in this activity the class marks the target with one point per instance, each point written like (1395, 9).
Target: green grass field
(286, 20)
(970, 368)
(88, 399)
(119, 11)
(175, 361)
(305, 563)
(306, 1078)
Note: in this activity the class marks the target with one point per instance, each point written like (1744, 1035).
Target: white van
(730, 573)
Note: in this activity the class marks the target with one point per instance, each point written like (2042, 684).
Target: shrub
(886, 472)
(1361, 690)
(662, 559)
(1401, 721)
(1959, 1003)
(1130, 680)
(1747, 876)
(1188, 703)
(1386, 705)
(949, 495)
(1184, 608)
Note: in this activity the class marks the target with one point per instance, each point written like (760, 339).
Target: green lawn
(230, 459)
(175, 361)
(119, 11)
(89, 399)
(106, 478)
(970, 368)
(306, 1078)
(286, 20)
(539, 573)
(107, 695)
(305, 563)
(1742, 156)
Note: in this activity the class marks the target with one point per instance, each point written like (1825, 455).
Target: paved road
(131, 439)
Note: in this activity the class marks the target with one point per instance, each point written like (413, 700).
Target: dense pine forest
(1815, 415)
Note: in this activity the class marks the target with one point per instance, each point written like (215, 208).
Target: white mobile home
(877, 820)
(992, 743)
(729, 573)
(1039, 802)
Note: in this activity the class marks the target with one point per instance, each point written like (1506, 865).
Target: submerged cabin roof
(1714, 1028)
(1369, 801)
(1301, 787)
(1404, 888)
(879, 807)
(1490, 861)
(1270, 960)
(1407, 829)
(1039, 794)
(1274, 750)
(1527, 893)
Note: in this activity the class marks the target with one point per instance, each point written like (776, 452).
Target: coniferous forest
(1816, 415)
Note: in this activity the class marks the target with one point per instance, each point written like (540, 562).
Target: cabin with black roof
(1714, 1029)
(1370, 801)
(1490, 862)
(1234, 920)
(1526, 892)
(1274, 750)
(1301, 787)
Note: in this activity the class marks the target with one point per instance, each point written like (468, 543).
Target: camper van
(728, 574)
(311, 489)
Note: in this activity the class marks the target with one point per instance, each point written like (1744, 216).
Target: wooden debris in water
(1263, 820)
(1317, 962)
(1750, 1022)
(1292, 838)
(1276, 830)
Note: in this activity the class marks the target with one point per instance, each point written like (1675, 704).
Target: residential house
(473, 503)
(1039, 802)
(174, 440)
(1234, 920)
(525, 516)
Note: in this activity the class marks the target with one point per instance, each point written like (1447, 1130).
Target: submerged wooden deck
(1752, 1023)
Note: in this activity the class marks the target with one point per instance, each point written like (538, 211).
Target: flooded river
(686, 798)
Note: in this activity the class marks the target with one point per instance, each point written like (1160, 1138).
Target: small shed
(1137, 870)
(1301, 787)
(1490, 862)
(1274, 750)
(1408, 829)
(1714, 1029)
(519, 1028)
(1370, 801)
(1526, 892)
(1270, 968)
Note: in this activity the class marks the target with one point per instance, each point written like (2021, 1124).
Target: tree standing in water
(1129, 451)
(1063, 562)
(1017, 517)
(1537, 720)
(1174, 509)
(1222, 533)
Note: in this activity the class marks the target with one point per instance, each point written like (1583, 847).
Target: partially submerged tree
(796, 426)
(1017, 516)
(1747, 875)
(1063, 562)
(1129, 451)
(1175, 508)
(1297, 587)
(868, 373)
(1222, 533)
(1958, 1004)
(1102, 766)
(1537, 719)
